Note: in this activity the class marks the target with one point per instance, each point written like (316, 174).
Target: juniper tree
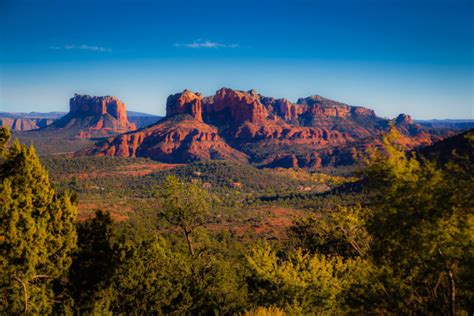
(184, 205)
(94, 263)
(37, 233)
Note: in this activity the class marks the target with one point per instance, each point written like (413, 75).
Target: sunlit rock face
(246, 126)
(94, 116)
(186, 102)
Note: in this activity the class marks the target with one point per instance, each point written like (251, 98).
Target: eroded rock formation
(185, 139)
(235, 106)
(244, 125)
(91, 116)
(186, 102)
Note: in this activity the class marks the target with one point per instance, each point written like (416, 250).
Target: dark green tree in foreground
(37, 232)
(93, 265)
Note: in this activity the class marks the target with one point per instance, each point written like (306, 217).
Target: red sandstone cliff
(239, 125)
(91, 116)
(172, 140)
(186, 102)
(236, 107)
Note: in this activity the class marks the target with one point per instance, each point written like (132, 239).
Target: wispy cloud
(85, 47)
(205, 44)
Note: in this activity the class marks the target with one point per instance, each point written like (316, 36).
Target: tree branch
(25, 292)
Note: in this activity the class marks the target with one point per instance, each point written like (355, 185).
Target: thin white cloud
(85, 47)
(205, 44)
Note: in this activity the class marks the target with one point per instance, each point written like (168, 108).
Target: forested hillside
(225, 238)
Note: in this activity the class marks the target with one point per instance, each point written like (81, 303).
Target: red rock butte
(92, 116)
(246, 126)
(85, 105)
(186, 102)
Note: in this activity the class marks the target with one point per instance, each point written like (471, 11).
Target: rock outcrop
(172, 140)
(91, 116)
(283, 109)
(403, 119)
(243, 125)
(186, 102)
(321, 108)
(235, 107)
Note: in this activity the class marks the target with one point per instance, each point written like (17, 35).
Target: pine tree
(37, 232)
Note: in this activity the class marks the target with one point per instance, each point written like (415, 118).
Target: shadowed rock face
(237, 107)
(403, 119)
(282, 108)
(24, 124)
(91, 116)
(244, 125)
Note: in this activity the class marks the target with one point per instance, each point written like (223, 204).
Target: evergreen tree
(422, 230)
(302, 283)
(184, 205)
(93, 265)
(150, 278)
(37, 233)
(5, 136)
(341, 232)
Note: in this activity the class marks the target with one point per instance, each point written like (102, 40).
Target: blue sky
(415, 57)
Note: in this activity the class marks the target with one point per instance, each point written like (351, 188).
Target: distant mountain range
(20, 121)
(141, 120)
(448, 123)
(32, 115)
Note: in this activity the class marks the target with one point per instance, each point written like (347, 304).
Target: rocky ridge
(246, 126)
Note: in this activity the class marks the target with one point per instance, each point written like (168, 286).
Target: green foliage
(265, 311)
(37, 234)
(51, 141)
(301, 283)
(227, 176)
(322, 180)
(137, 272)
(5, 136)
(153, 278)
(416, 240)
(150, 279)
(60, 165)
(334, 232)
(456, 149)
(184, 205)
(93, 265)
(218, 280)
(422, 231)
